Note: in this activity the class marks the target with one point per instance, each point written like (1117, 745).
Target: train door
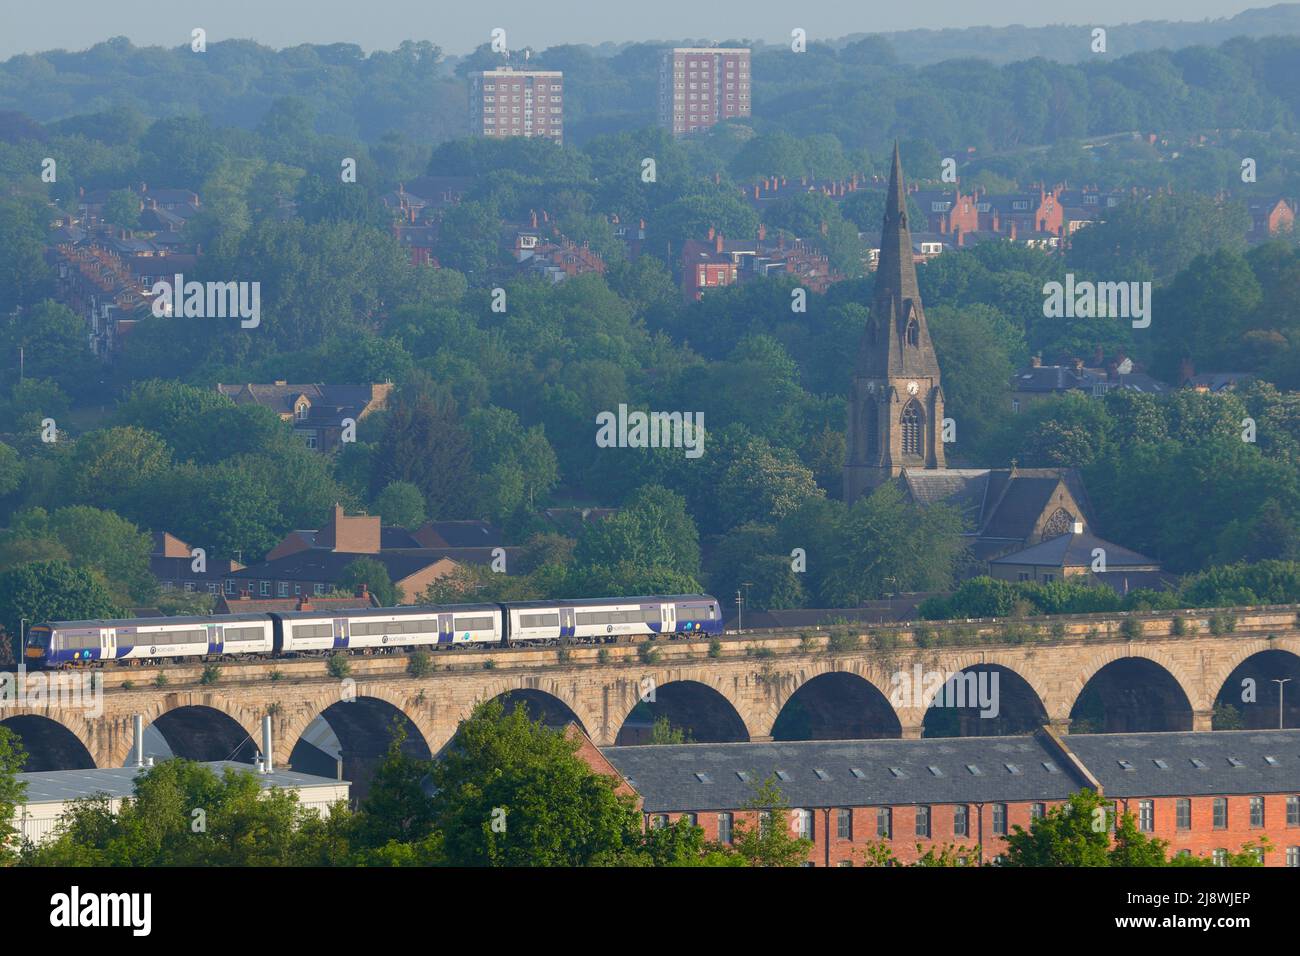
(216, 638)
(445, 633)
(340, 633)
(108, 645)
(669, 618)
(566, 622)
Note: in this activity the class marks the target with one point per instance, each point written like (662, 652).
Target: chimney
(303, 603)
(363, 591)
(712, 233)
(532, 218)
(718, 244)
(1185, 371)
(762, 232)
(1076, 364)
(1035, 361)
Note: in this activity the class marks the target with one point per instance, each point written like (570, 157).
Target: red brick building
(700, 87)
(1205, 793)
(509, 102)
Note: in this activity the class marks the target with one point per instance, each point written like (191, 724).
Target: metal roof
(56, 786)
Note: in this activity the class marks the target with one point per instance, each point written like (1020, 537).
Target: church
(895, 427)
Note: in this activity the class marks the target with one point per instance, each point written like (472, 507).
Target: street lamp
(1281, 694)
(740, 614)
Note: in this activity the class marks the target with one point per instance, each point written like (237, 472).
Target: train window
(313, 630)
(539, 620)
(474, 623)
(79, 642)
(244, 634)
(191, 636)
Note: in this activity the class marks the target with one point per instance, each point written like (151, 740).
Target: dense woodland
(494, 413)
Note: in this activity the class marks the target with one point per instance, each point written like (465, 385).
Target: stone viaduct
(1149, 671)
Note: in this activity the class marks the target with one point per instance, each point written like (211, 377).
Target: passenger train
(370, 630)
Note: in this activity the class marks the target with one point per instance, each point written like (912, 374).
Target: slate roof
(320, 565)
(1075, 550)
(1101, 753)
(993, 502)
(667, 776)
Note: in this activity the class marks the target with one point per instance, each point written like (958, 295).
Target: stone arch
(50, 743)
(204, 731)
(1106, 698)
(983, 700)
(1261, 668)
(624, 697)
(362, 723)
(836, 703)
(702, 713)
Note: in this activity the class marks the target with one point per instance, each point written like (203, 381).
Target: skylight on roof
(936, 771)
(1011, 768)
(1051, 767)
(703, 777)
(974, 770)
(1233, 761)
(1198, 763)
(1271, 761)
(1160, 763)
(822, 775)
(858, 773)
(782, 775)
(1126, 765)
(744, 777)
(896, 771)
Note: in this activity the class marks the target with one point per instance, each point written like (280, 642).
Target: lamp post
(1281, 695)
(740, 614)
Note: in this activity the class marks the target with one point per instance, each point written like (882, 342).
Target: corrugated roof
(55, 786)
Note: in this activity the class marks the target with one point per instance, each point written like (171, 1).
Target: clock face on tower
(913, 388)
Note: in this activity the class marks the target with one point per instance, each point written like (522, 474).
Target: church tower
(895, 402)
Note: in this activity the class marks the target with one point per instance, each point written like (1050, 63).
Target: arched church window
(913, 425)
(913, 333)
(1058, 524)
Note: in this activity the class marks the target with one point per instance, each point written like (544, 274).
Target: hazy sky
(28, 26)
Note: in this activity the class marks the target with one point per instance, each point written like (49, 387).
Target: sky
(29, 26)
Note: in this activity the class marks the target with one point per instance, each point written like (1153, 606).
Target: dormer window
(301, 410)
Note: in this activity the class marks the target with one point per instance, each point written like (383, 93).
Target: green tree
(50, 591)
(375, 577)
(12, 759)
(401, 505)
(771, 840)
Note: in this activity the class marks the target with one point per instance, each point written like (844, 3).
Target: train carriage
(137, 640)
(606, 620)
(384, 629)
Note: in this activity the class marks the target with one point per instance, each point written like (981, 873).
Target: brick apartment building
(700, 87)
(1205, 793)
(509, 102)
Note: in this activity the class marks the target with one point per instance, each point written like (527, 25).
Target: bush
(762, 653)
(715, 648)
(1178, 625)
(842, 642)
(419, 664)
(339, 665)
(1221, 622)
(563, 655)
(160, 680)
(276, 675)
(489, 665)
(211, 674)
(924, 637)
(602, 655)
(647, 652)
(1131, 628)
(882, 640)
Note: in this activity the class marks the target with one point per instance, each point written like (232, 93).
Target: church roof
(1075, 550)
(995, 502)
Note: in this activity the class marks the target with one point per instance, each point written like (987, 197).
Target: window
(692, 819)
(923, 821)
(999, 819)
(1220, 813)
(1147, 816)
(844, 824)
(539, 620)
(913, 429)
(1037, 811)
(1183, 814)
(472, 624)
(961, 821)
(266, 589)
(658, 821)
(318, 589)
(913, 333)
(764, 823)
(1293, 856)
(284, 589)
(885, 823)
(1256, 812)
(1220, 857)
(724, 827)
(1293, 811)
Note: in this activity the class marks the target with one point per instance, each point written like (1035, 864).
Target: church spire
(895, 403)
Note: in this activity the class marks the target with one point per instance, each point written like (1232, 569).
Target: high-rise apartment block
(700, 87)
(510, 102)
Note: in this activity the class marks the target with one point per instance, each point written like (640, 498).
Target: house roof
(328, 402)
(997, 502)
(853, 773)
(1076, 550)
(320, 565)
(62, 786)
(1217, 773)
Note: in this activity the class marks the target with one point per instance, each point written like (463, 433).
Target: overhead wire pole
(1281, 696)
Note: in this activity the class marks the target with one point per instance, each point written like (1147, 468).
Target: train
(156, 640)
